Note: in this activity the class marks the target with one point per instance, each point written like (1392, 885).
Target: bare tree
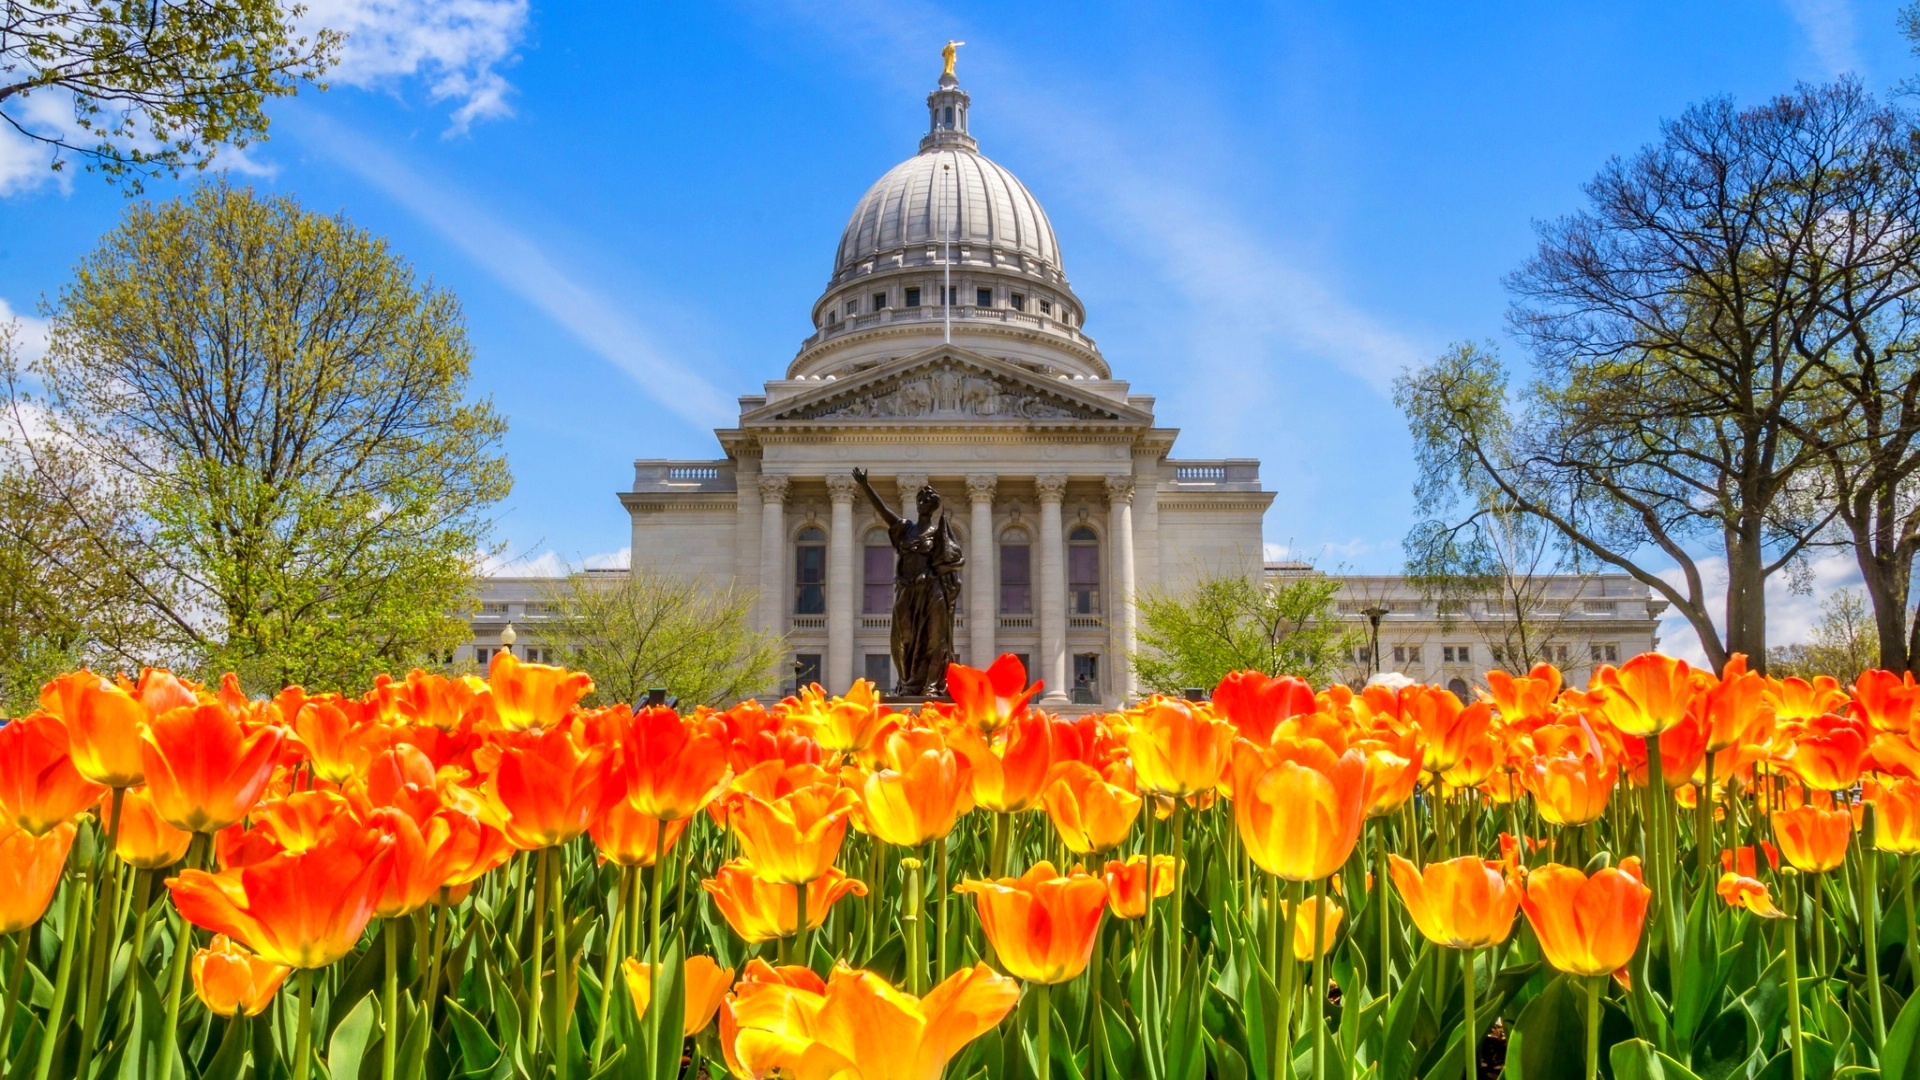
(1514, 567)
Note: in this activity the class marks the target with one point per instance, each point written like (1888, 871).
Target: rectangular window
(806, 669)
(879, 670)
(483, 654)
(1406, 654)
(1018, 301)
(853, 308)
(1456, 654)
(1083, 579)
(810, 579)
(1086, 678)
(879, 300)
(1026, 664)
(1607, 653)
(876, 592)
(913, 297)
(983, 298)
(1363, 656)
(1016, 579)
(953, 295)
(1046, 307)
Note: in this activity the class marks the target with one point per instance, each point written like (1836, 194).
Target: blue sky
(1268, 209)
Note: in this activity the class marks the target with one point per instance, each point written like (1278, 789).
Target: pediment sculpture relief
(948, 391)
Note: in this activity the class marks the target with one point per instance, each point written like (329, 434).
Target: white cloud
(27, 164)
(550, 563)
(1790, 616)
(29, 332)
(1829, 27)
(458, 45)
(523, 266)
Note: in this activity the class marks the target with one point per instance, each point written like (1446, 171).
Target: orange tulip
(232, 981)
(1299, 809)
(920, 795)
(760, 910)
(1008, 775)
(205, 768)
(30, 869)
(793, 839)
(1127, 884)
(1733, 709)
(426, 700)
(299, 822)
(1090, 814)
(860, 1028)
(549, 786)
(1645, 696)
(1683, 749)
(1391, 777)
(673, 766)
(338, 736)
(1525, 699)
(1570, 789)
(531, 697)
(707, 984)
(627, 837)
(144, 842)
(989, 700)
(1041, 924)
(303, 910)
(1463, 903)
(432, 853)
(1885, 700)
(842, 725)
(1813, 839)
(1828, 751)
(1896, 817)
(1450, 729)
(1748, 893)
(39, 787)
(1795, 698)
(1587, 925)
(1255, 702)
(104, 723)
(1303, 927)
(1178, 750)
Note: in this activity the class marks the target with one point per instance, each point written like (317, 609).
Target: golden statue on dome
(949, 54)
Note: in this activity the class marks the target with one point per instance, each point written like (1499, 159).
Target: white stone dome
(953, 195)
(949, 219)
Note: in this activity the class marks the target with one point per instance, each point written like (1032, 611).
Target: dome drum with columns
(1054, 474)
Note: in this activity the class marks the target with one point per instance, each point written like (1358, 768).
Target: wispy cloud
(530, 272)
(550, 563)
(1790, 615)
(458, 46)
(29, 332)
(27, 164)
(1829, 27)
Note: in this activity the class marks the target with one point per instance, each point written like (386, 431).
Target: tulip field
(1665, 874)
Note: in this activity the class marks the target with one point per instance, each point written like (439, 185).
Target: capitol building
(948, 348)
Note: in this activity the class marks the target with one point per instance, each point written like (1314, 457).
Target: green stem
(1043, 1013)
(390, 1000)
(100, 950)
(997, 867)
(1470, 1042)
(50, 1037)
(1146, 920)
(22, 944)
(1819, 926)
(1791, 930)
(1703, 827)
(1382, 894)
(654, 1004)
(1096, 1042)
(1283, 1051)
(1176, 927)
(877, 890)
(805, 958)
(910, 928)
(303, 1042)
(1664, 901)
(1870, 929)
(1593, 1024)
(539, 949)
(1317, 995)
(940, 890)
(1906, 897)
(142, 900)
(177, 967)
(608, 971)
(562, 961)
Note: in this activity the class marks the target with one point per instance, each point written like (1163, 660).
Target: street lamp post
(1374, 614)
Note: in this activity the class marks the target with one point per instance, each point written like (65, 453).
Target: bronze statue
(926, 586)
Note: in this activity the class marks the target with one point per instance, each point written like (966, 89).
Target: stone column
(1149, 571)
(1120, 565)
(1053, 589)
(773, 554)
(983, 601)
(910, 485)
(840, 615)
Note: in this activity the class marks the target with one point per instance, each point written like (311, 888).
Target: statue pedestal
(887, 697)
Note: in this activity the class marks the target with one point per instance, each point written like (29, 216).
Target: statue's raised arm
(879, 505)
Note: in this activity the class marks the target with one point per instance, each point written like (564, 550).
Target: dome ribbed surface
(978, 203)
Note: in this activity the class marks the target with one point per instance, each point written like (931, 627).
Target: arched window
(1459, 687)
(1016, 573)
(810, 572)
(876, 564)
(1083, 572)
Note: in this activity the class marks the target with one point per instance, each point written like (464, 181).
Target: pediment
(946, 384)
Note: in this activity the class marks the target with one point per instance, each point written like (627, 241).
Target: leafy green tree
(157, 86)
(637, 629)
(286, 409)
(1282, 626)
(1843, 643)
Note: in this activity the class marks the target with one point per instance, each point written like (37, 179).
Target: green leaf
(1550, 1036)
(1402, 1012)
(1901, 1055)
(1697, 983)
(672, 1007)
(478, 1051)
(350, 1040)
(1636, 1059)
(232, 1056)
